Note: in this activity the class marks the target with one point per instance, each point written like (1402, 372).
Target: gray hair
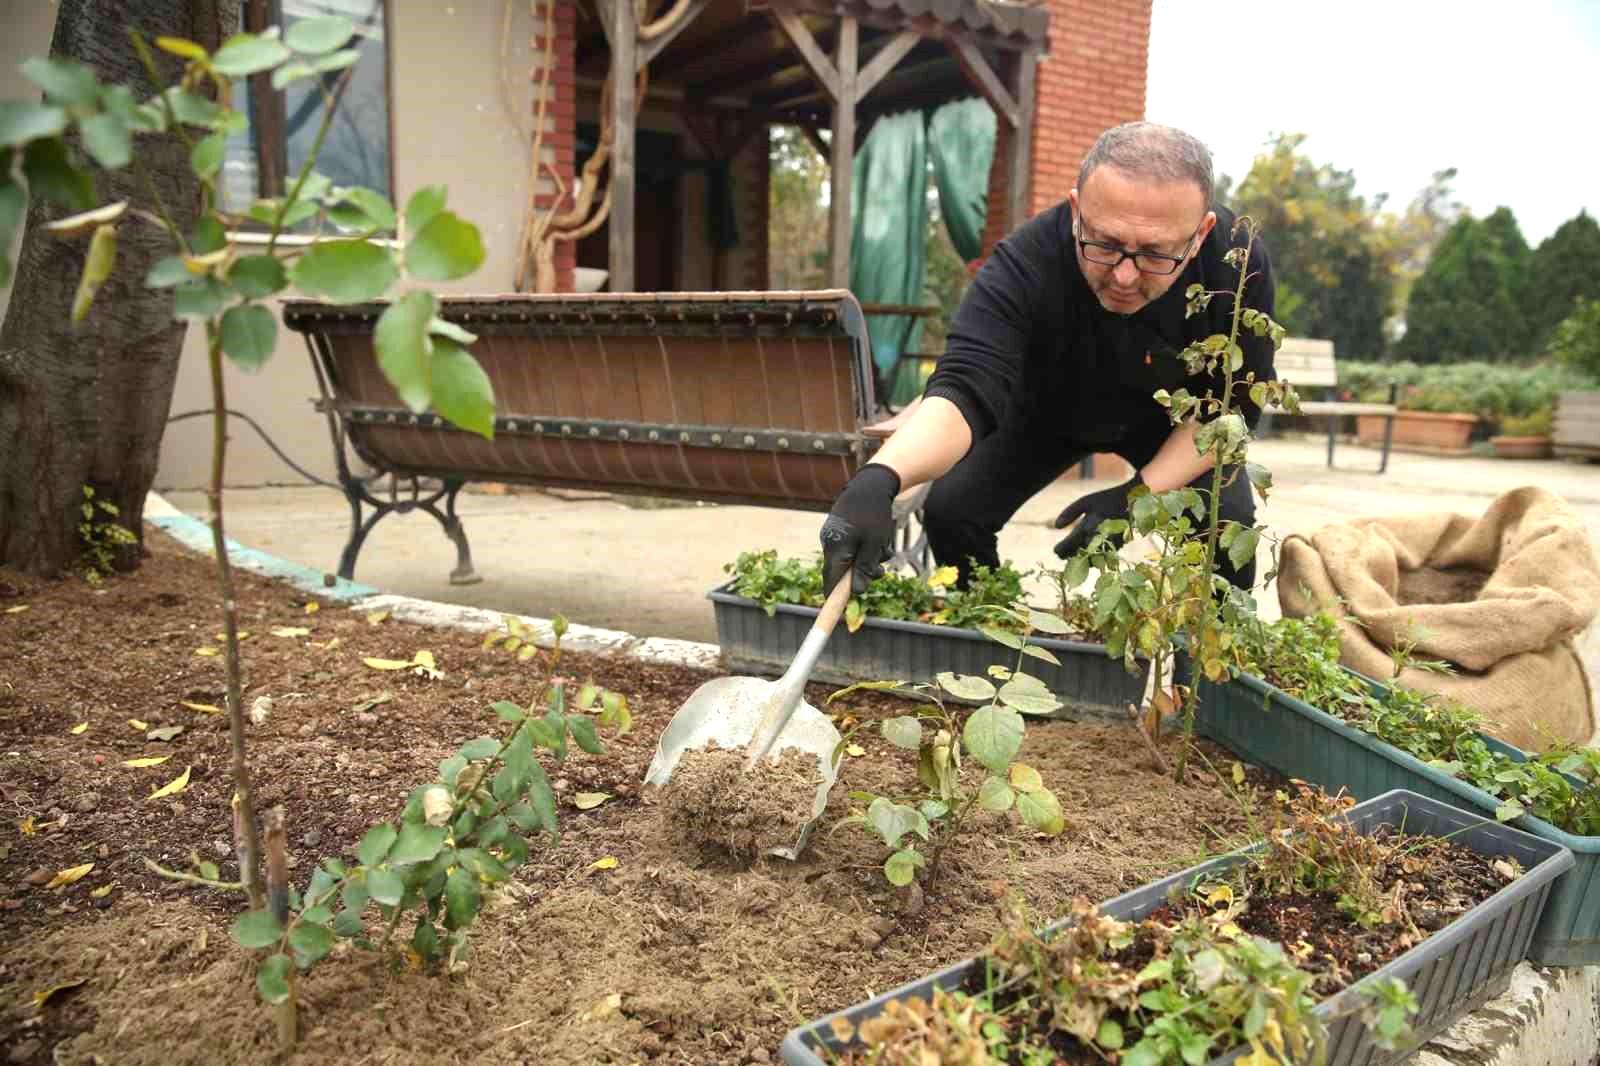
(1155, 153)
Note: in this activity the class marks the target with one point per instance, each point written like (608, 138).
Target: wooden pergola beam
(880, 64)
(842, 165)
(624, 34)
(826, 73)
(983, 76)
(689, 11)
(1017, 184)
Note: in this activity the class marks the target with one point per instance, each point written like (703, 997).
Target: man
(1072, 324)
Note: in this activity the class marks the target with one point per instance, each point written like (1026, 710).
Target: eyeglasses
(1111, 255)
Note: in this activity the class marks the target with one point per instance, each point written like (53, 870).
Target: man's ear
(1072, 198)
(1205, 227)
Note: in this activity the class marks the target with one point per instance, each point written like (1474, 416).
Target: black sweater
(1030, 343)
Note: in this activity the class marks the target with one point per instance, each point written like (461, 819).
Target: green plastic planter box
(1088, 681)
(1450, 973)
(1266, 726)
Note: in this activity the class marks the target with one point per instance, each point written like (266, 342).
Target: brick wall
(1094, 78)
(561, 122)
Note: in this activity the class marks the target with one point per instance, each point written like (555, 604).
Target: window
(262, 160)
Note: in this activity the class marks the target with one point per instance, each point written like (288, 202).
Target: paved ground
(611, 563)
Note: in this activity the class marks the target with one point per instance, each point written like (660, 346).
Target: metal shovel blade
(727, 712)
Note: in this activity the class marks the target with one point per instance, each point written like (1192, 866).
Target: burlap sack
(1501, 598)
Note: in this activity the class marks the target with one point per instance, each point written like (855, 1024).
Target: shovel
(762, 717)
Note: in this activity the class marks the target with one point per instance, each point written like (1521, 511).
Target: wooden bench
(1577, 425)
(730, 397)
(1306, 363)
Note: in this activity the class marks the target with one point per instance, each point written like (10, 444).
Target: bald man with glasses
(1068, 330)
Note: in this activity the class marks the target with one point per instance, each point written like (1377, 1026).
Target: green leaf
(479, 748)
(1243, 547)
(257, 276)
(405, 353)
(901, 867)
(266, 212)
(933, 809)
(993, 735)
(1045, 622)
(1109, 1035)
(482, 864)
(191, 110)
(167, 273)
(200, 298)
(1077, 571)
(374, 847)
(256, 929)
(891, 820)
(517, 770)
(248, 53)
(1042, 811)
(425, 940)
(208, 236)
(108, 139)
(417, 843)
(447, 248)
(290, 73)
(1027, 694)
(51, 176)
(97, 266)
(423, 205)
(508, 712)
(21, 121)
(461, 390)
(1040, 653)
(1002, 636)
(317, 36)
(965, 686)
(248, 334)
(903, 732)
(272, 979)
(542, 799)
(348, 923)
(337, 61)
(583, 733)
(205, 158)
(385, 887)
(310, 943)
(440, 328)
(345, 271)
(64, 81)
(461, 899)
(995, 795)
(371, 210)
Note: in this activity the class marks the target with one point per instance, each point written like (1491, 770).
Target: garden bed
(665, 957)
(1478, 923)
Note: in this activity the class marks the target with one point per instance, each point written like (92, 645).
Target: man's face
(1134, 215)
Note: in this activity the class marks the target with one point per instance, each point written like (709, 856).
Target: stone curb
(1545, 1018)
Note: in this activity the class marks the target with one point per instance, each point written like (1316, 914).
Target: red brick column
(561, 133)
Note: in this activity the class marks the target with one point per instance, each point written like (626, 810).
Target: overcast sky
(1395, 90)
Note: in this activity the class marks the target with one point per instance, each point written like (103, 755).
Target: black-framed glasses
(1112, 255)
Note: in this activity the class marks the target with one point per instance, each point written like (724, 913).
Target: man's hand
(1091, 510)
(858, 534)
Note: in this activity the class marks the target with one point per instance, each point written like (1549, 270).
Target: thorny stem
(330, 101)
(250, 856)
(278, 900)
(161, 206)
(149, 64)
(945, 838)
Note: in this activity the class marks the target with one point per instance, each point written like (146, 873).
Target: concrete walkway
(632, 565)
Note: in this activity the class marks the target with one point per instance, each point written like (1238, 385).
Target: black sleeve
(989, 336)
(1259, 294)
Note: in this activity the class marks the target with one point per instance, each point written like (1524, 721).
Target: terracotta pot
(1422, 428)
(1521, 447)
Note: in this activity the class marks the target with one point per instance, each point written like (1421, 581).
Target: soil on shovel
(715, 806)
(659, 956)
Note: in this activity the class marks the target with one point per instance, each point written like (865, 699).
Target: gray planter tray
(1452, 972)
(1088, 681)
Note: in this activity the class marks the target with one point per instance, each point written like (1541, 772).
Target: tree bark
(87, 405)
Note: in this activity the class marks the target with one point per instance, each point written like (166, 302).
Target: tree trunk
(86, 405)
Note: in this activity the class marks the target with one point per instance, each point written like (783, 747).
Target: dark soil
(664, 957)
(1427, 585)
(714, 805)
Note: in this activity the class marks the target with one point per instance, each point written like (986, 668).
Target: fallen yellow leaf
(290, 631)
(376, 617)
(207, 651)
(140, 764)
(855, 749)
(41, 998)
(27, 826)
(18, 609)
(1229, 931)
(588, 800)
(203, 708)
(103, 891)
(387, 664)
(424, 665)
(607, 863)
(610, 1005)
(313, 607)
(1238, 774)
(173, 787)
(1219, 894)
(79, 729)
(243, 634)
(135, 723)
(69, 875)
(328, 645)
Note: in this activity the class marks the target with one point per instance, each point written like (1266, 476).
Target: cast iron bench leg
(355, 491)
(463, 574)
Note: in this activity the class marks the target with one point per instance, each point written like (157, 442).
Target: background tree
(797, 227)
(1562, 270)
(86, 405)
(1327, 247)
(1466, 305)
(1411, 236)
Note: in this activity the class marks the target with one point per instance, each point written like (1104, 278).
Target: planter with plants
(1309, 718)
(1343, 936)
(911, 628)
(1524, 436)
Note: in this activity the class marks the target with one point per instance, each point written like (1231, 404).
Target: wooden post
(624, 67)
(844, 153)
(1018, 206)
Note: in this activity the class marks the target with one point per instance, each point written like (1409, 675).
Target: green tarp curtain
(961, 145)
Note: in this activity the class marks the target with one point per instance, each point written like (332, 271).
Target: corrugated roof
(1025, 22)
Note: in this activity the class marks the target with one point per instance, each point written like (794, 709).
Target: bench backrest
(1306, 361)
(748, 397)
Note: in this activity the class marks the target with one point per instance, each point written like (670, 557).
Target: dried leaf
(42, 997)
(165, 732)
(610, 1005)
(313, 607)
(1238, 773)
(375, 618)
(135, 723)
(1220, 894)
(260, 710)
(387, 664)
(27, 826)
(425, 667)
(104, 890)
(371, 702)
(290, 631)
(173, 787)
(607, 863)
(855, 749)
(69, 875)
(207, 651)
(328, 645)
(139, 764)
(79, 729)
(18, 609)
(585, 801)
(203, 708)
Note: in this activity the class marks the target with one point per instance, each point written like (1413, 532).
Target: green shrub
(1576, 342)
(1494, 391)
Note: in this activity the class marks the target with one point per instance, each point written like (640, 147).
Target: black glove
(858, 534)
(1091, 510)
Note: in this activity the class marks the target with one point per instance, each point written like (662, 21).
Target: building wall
(1093, 79)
